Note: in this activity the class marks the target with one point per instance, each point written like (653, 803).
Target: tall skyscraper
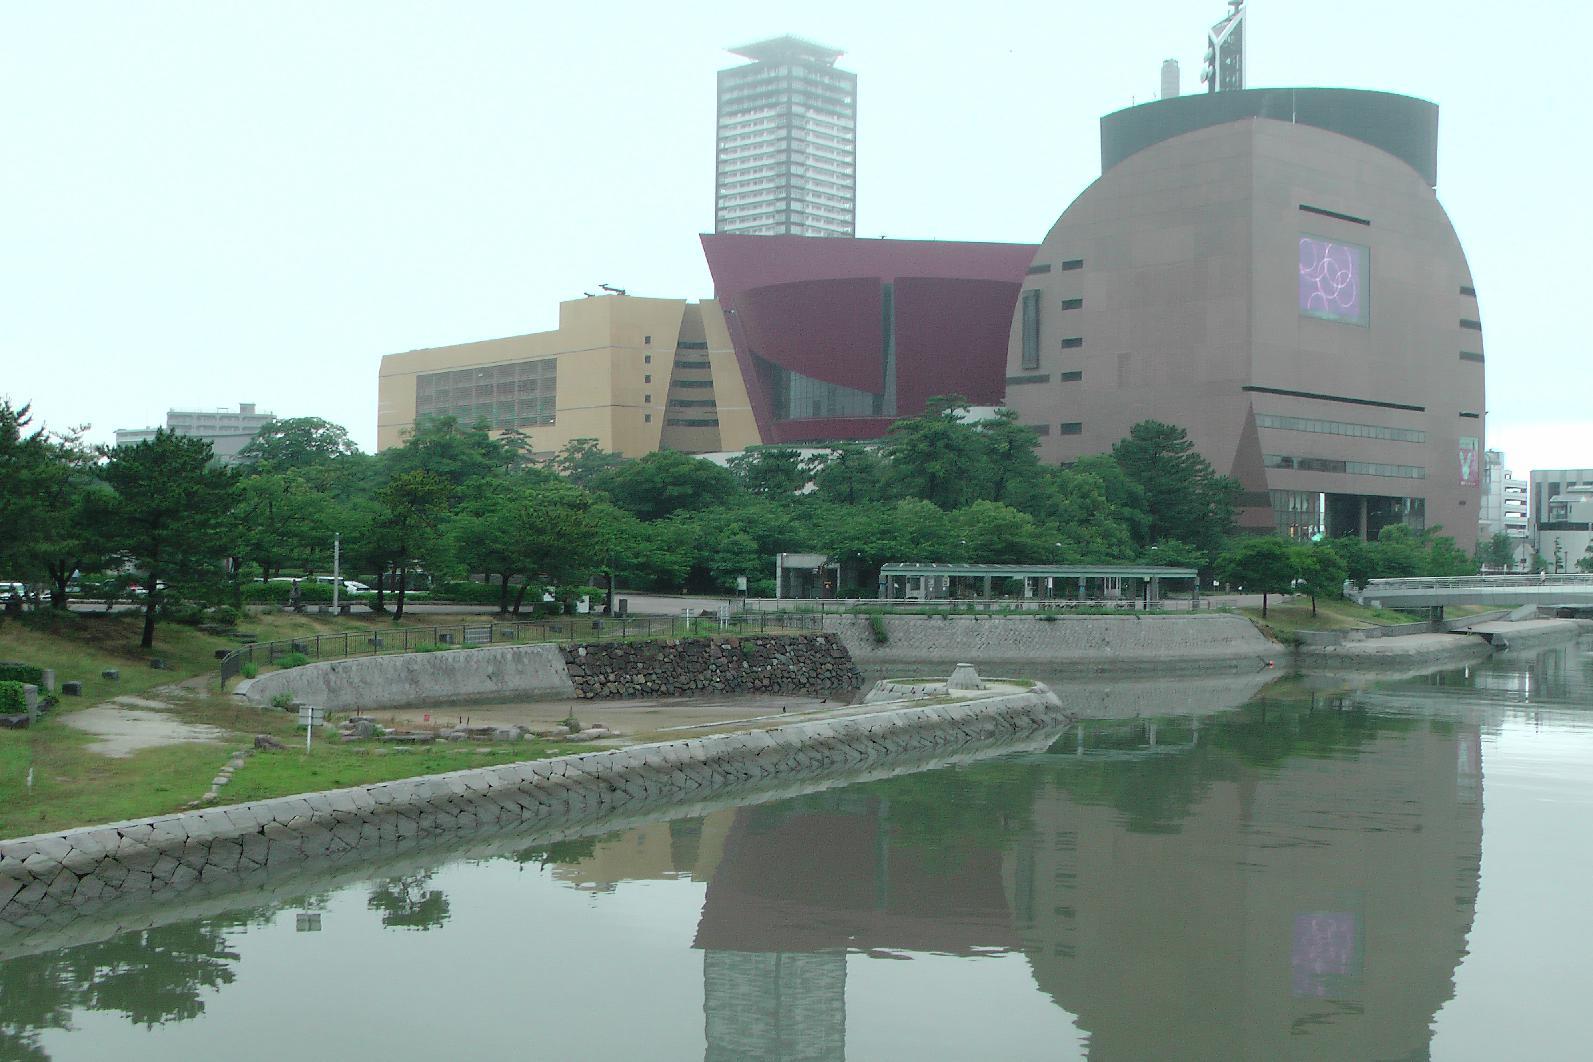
(787, 143)
(1224, 69)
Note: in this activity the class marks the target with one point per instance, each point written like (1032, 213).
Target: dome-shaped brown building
(1272, 271)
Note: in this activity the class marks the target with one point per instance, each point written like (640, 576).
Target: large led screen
(1335, 284)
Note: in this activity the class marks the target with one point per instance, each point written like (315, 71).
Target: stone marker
(158, 663)
(71, 689)
(964, 677)
(111, 673)
(266, 741)
(47, 680)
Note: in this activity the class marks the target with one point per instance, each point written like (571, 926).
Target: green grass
(337, 764)
(1287, 615)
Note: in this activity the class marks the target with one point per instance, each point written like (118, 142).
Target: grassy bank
(1286, 615)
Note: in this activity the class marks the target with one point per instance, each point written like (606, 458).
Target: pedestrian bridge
(1499, 590)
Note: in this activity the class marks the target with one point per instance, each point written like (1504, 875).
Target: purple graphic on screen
(1332, 280)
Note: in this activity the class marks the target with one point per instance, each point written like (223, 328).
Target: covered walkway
(1033, 582)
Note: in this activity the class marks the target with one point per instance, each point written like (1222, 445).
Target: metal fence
(567, 629)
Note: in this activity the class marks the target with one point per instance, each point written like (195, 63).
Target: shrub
(1047, 617)
(249, 670)
(15, 671)
(282, 700)
(287, 660)
(224, 614)
(281, 593)
(876, 626)
(184, 612)
(473, 593)
(13, 701)
(431, 647)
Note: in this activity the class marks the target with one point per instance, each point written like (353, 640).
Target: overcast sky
(212, 202)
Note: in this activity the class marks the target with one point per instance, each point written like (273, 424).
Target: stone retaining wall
(758, 664)
(366, 682)
(51, 877)
(1062, 643)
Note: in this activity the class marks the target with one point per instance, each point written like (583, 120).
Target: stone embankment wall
(800, 663)
(1062, 643)
(760, 664)
(50, 876)
(533, 671)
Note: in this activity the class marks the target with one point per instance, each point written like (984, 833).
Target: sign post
(310, 717)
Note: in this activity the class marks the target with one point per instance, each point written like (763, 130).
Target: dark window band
(691, 344)
(1072, 263)
(1040, 429)
(681, 363)
(1041, 377)
(1071, 375)
(693, 383)
(707, 402)
(1073, 304)
(1333, 398)
(1475, 326)
(691, 422)
(1351, 218)
(1073, 343)
(1070, 427)
(1472, 416)
(1468, 291)
(1041, 267)
(1467, 355)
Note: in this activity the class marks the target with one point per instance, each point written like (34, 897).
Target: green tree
(773, 471)
(1171, 553)
(454, 453)
(582, 461)
(298, 442)
(1584, 563)
(1497, 551)
(167, 517)
(281, 521)
(938, 457)
(1011, 455)
(27, 468)
(541, 533)
(403, 529)
(1184, 496)
(1321, 570)
(989, 532)
(849, 473)
(1258, 565)
(666, 482)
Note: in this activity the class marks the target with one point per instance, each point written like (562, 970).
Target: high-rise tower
(787, 143)
(1224, 69)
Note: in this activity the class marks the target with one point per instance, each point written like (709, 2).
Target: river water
(1311, 867)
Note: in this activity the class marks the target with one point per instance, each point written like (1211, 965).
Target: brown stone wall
(770, 663)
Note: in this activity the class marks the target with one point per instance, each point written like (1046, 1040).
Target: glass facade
(1303, 514)
(1353, 468)
(1339, 427)
(516, 394)
(798, 397)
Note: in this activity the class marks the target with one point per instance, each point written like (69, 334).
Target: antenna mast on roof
(1224, 68)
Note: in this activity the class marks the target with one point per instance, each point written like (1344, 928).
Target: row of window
(692, 422)
(1353, 468)
(1338, 427)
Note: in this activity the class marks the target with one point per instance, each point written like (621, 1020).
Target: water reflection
(1298, 876)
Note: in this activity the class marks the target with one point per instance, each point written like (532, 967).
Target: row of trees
(455, 501)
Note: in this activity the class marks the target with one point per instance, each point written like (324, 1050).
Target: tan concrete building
(1270, 270)
(635, 374)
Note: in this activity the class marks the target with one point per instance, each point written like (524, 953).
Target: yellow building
(635, 374)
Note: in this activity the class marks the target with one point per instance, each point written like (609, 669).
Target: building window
(1071, 427)
(692, 422)
(1073, 304)
(1072, 263)
(515, 394)
(1031, 329)
(647, 418)
(648, 399)
(694, 383)
(647, 340)
(1468, 291)
(1475, 326)
(647, 359)
(1334, 214)
(1018, 381)
(1041, 267)
(1074, 374)
(691, 344)
(647, 377)
(1353, 468)
(681, 363)
(1072, 343)
(1339, 427)
(1040, 429)
(1472, 416)
(1467, 355)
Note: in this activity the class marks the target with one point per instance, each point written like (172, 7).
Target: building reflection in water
(1297, 875)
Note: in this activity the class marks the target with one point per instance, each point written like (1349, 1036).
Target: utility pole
(337, 569)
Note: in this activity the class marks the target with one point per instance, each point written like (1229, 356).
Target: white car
(350, 586)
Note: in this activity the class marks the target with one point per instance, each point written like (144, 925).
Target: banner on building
(1470, 462)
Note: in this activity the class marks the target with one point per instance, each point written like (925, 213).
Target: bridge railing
(1479, 582)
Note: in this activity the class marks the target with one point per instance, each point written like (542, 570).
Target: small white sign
(311, 716)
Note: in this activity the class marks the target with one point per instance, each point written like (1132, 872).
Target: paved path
(127, 724)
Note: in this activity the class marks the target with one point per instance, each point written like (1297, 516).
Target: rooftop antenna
(1224, 67)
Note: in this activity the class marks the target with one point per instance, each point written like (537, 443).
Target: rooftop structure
(228, 432)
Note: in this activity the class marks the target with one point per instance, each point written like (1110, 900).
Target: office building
(636, 374)
(786, 163)
(1562, 515)
(226, 431)
(1345, 394)
(1504, 509)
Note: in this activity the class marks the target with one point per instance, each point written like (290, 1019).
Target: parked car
(350, 586)
(12, 591)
